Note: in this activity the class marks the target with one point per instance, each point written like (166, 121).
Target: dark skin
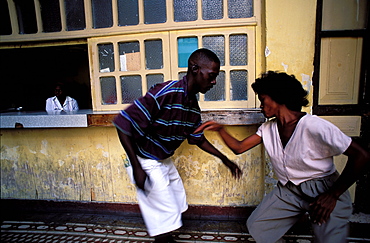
(201, 77)
(324, 204)
(60, 94)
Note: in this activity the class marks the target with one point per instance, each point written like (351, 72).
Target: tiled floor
(65, 227)
(111, 228)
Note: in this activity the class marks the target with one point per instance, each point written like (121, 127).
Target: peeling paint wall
(65, 164)
(86, 164)
(209, 182)
(290, 39)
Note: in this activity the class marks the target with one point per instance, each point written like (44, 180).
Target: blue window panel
(185, 47)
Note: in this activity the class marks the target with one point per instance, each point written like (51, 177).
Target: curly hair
(282, 88)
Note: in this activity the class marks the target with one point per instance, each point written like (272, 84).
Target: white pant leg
(164, 199)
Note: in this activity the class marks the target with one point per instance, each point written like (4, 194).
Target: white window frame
(170, 68)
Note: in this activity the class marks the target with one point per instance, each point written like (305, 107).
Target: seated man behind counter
(151, 129)
(54, 104)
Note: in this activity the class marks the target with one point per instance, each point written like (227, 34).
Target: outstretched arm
(209, 148)
(358, 160)
(235, 145)
(129, 146)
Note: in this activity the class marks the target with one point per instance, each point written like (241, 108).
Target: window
(35, 19)
(134, 44)
(340, 68)
(125, 67)
(29, 76)
(341, 93)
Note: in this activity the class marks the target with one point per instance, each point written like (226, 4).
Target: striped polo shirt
(162, 119)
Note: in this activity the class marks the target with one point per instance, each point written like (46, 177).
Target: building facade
(111, 52)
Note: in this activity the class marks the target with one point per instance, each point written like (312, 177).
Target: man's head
(59, 89)
(203, 68)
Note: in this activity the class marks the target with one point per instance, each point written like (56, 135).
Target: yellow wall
(86, 163)
(290, 38)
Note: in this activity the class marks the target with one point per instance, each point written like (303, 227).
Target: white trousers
(164, 198)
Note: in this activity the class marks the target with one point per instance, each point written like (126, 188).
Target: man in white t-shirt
(61, 102)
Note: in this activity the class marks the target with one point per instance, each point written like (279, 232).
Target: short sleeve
(329, 139)
(259, 131)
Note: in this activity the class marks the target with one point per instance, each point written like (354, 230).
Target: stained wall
(86, 164)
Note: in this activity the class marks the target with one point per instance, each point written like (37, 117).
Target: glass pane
(131, 88)
(108, 90)
(26, 16)
(153, 79)
(154, 11)
(238, 83)
(129, 56)
(238, 50)
(212, 9)
(181, 75)
(185, 47)
(5, 26)
(185, 10)
(75, 14)
(106, 58)
(217, 45)
(102, 14)
(153, 54)
(240, 8)
(128, 12)
(218, 91)
(344, 14)
(50, 15)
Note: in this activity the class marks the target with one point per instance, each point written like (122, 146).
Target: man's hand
(209, 125)
(139, 177)
(235, 170)
(322, 207)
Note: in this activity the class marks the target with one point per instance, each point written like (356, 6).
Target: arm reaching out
(209, 148)
(235, 145)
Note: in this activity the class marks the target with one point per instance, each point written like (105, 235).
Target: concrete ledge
(87, 118)
(42, 120)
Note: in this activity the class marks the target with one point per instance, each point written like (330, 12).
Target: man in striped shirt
(152, 128)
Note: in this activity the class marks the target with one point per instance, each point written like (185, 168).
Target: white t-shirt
(309, 151)
(53, 104)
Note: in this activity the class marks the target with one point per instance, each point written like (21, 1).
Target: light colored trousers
(164, 199)
(284, 206)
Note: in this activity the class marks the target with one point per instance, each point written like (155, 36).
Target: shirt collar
(185, 82)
